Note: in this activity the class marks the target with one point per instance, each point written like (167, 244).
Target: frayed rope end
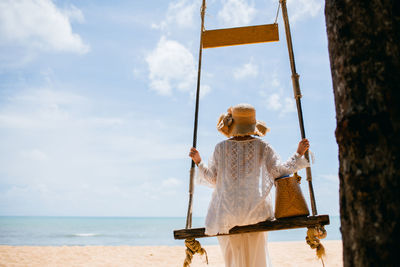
(314, 234)
(192, 247)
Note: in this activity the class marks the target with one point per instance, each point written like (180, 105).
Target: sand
(296, 254)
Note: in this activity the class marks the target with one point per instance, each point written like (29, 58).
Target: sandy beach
(293, 254)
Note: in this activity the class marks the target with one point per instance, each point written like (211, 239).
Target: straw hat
(240, 120)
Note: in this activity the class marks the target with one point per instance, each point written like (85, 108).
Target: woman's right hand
(195, 155)
(304, 145)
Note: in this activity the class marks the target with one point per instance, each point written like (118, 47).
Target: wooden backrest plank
(240, 36)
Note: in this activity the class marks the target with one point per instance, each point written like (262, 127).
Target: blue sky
(97, 101)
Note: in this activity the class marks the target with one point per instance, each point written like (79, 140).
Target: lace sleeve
(207, 175)
(277, 169)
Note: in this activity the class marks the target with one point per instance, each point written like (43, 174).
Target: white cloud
(204, 90)
(274, 102)
(180, 13)
(171, 65)
(275, 98)
(247, 70)
(290, 105)
(106, 121)
(82, 154)
(58, 139)
(34, 154)
(137, 72)
(42, 109)
(66, 117)
(74, 14)
(171, 182)
(282, 105)
(275, 83)
(236, 13)
(331, 177)
(301, 9)
(272, 84)
(39, 24)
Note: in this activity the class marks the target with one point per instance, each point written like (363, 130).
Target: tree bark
(364, 45)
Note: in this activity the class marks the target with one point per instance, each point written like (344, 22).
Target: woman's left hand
(303, 146)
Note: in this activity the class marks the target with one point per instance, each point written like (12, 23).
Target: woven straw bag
(289, 200)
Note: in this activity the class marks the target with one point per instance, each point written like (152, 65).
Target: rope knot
(314, 234)
(192, 247)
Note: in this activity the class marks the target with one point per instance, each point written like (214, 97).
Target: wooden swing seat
(269, 225)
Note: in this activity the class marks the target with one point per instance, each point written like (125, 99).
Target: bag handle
(298, 177)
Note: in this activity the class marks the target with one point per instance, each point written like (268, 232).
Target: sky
(97, 101)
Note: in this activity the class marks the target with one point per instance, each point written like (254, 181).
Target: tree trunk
(364, 48)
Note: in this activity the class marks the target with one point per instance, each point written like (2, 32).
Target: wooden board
(281, 224)
(240, 36)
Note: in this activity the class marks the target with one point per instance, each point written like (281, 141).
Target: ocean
(117, 231)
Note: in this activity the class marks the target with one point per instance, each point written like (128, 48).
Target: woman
(242, 170)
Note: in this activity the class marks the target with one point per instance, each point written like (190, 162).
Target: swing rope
(193, 246)
(314, 234)
(277, 13)
(196, 118)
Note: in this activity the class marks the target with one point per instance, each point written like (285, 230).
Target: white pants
(245, 250)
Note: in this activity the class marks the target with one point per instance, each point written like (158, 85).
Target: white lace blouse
(242, 173)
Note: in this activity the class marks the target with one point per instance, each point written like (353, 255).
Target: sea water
(117, 231)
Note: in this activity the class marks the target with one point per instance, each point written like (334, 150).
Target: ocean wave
(85, 234)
